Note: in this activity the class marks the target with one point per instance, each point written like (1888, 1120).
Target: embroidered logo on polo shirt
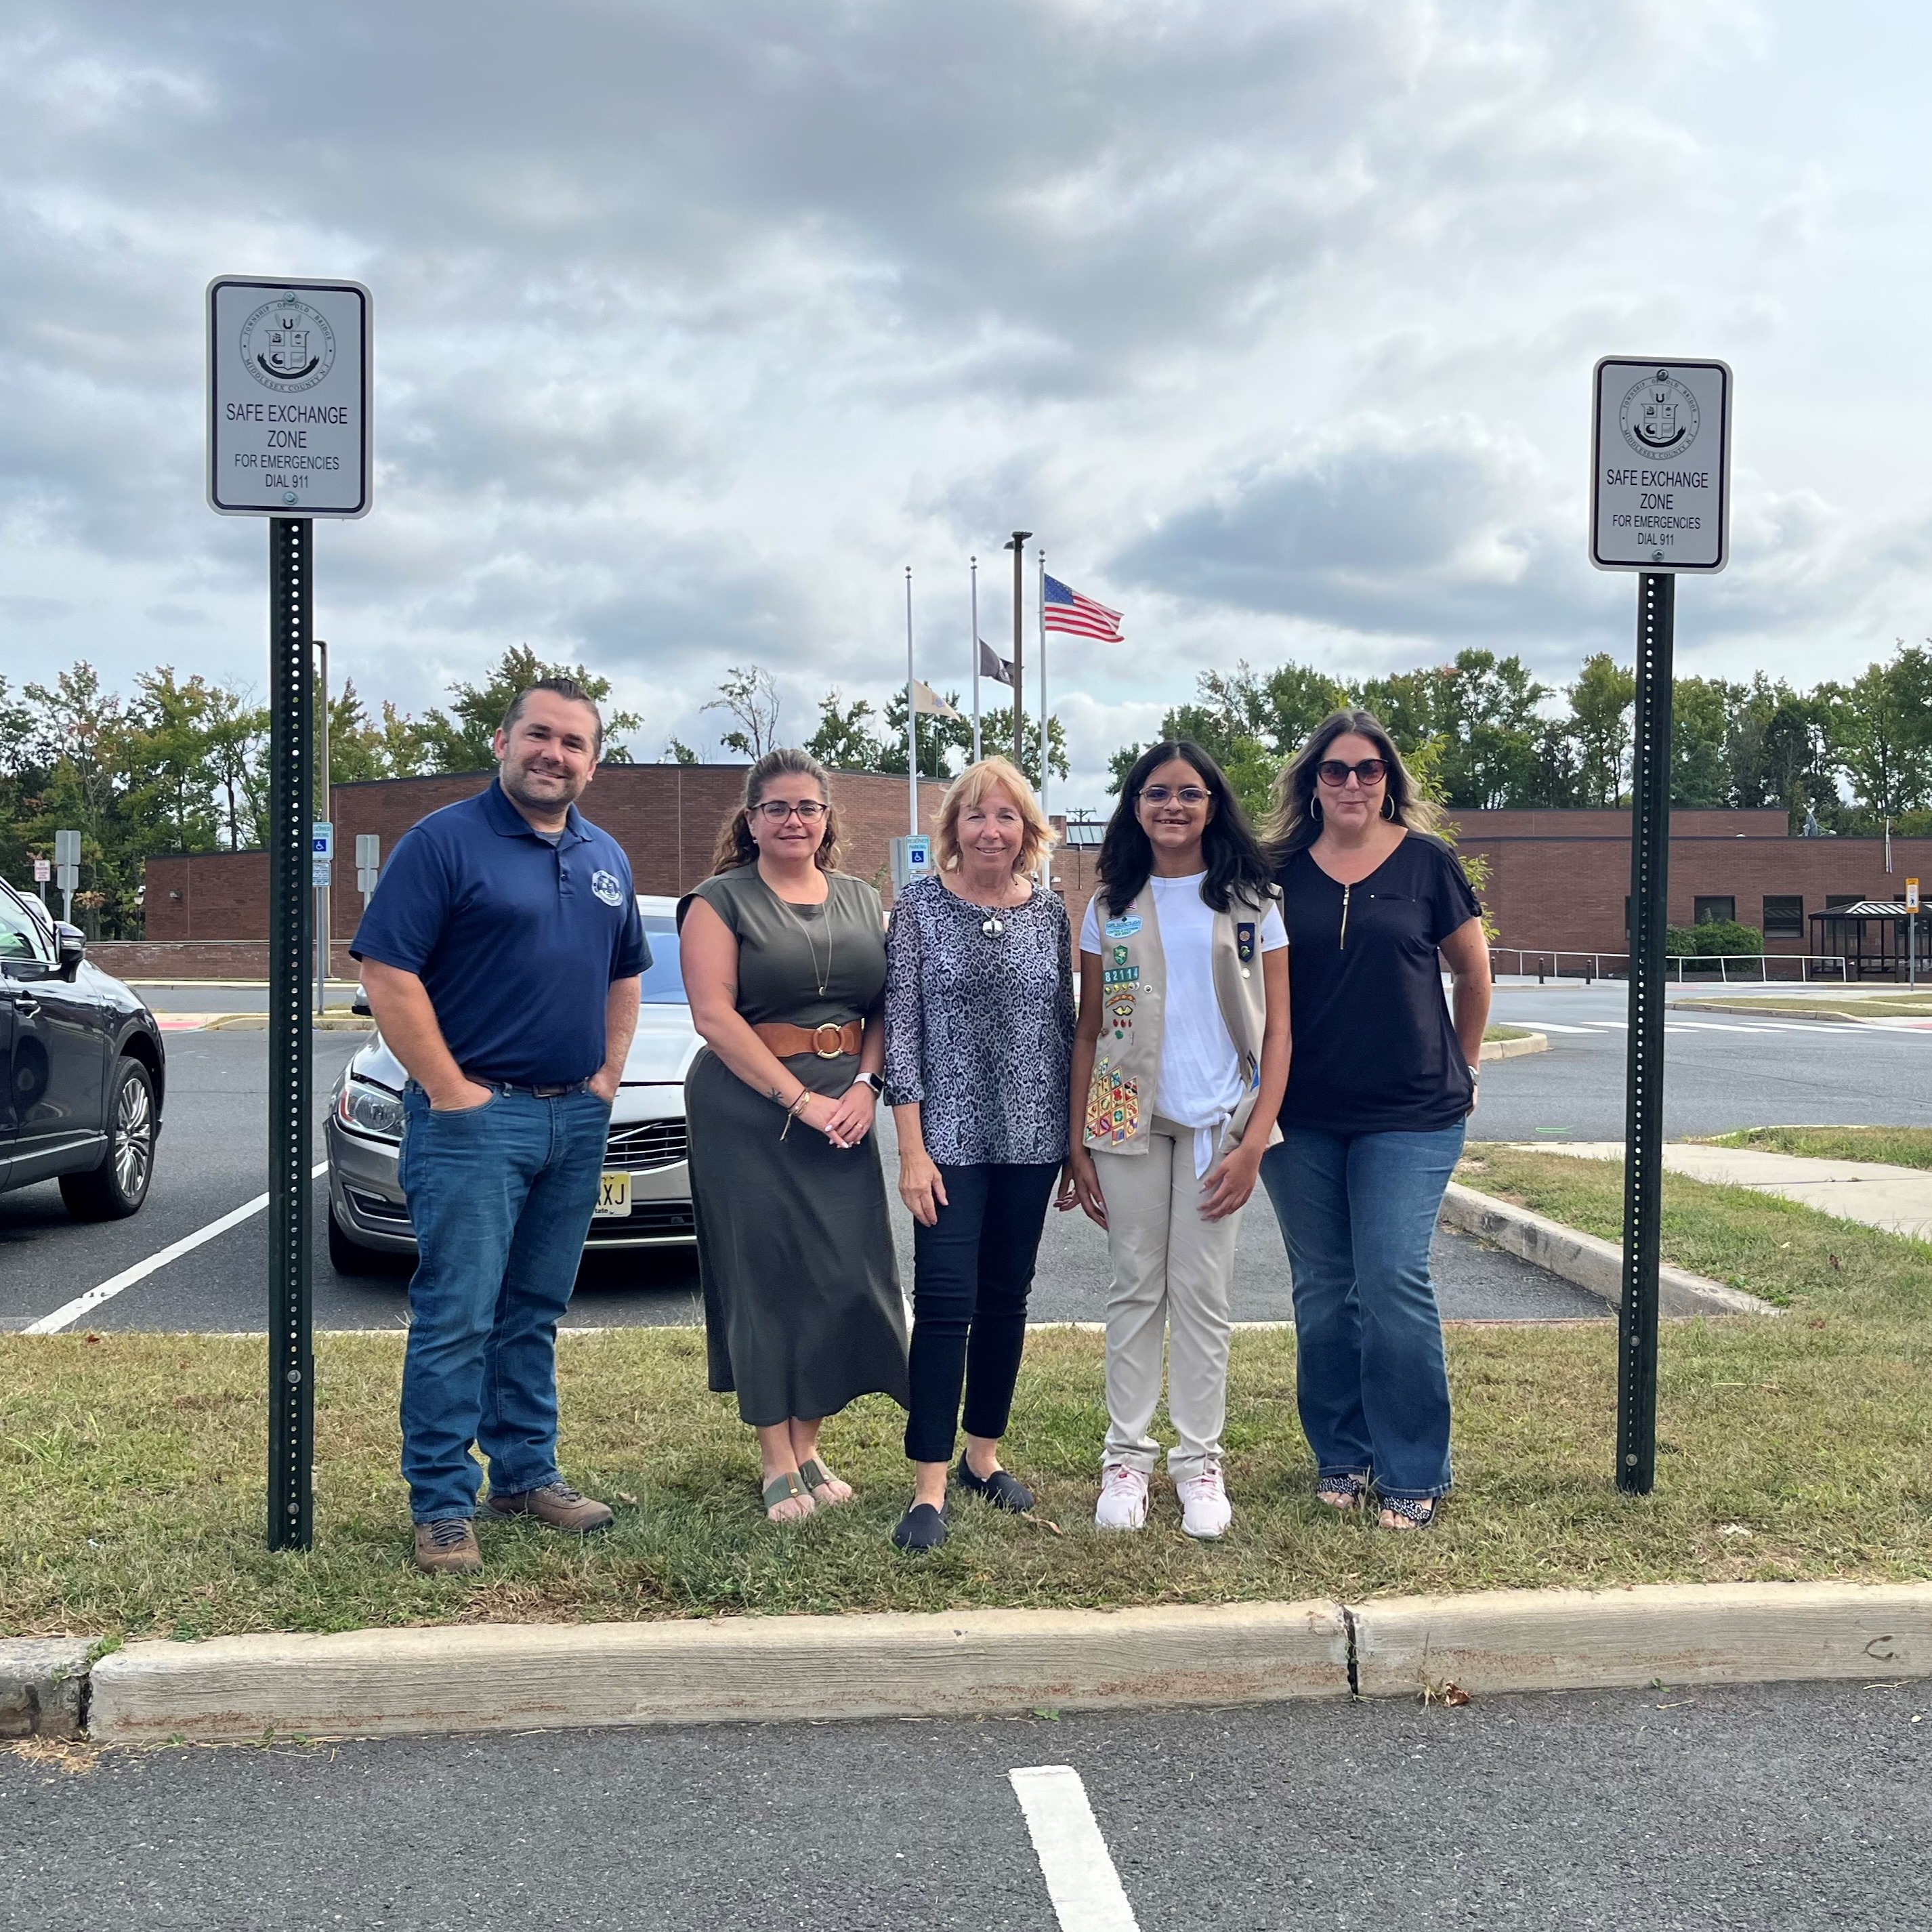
(608, 887)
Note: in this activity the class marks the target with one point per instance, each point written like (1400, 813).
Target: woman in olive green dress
(784, 965)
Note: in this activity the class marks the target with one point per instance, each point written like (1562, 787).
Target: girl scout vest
(1121, 1100)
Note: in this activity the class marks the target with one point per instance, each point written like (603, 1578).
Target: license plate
(614, 1196)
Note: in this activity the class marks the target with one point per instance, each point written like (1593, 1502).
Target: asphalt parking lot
(1782, 1808)
(1723, 1071)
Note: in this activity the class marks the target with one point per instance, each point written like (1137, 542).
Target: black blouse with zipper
(1374, 1049)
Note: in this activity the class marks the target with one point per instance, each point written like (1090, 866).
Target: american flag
(1067, 610)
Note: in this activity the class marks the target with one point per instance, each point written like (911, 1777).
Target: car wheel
(347, 1256)
(118, 1186)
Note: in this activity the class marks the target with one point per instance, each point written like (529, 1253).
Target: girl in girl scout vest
(1179, 1064)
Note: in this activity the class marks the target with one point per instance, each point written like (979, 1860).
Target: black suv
(85, 1070)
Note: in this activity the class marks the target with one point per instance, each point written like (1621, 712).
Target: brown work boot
(557, 1505)
(448, 1546)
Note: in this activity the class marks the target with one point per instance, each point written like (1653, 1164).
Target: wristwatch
(1475, 1073)
(871, 1080)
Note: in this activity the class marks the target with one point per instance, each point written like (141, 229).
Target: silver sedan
(645, 1200)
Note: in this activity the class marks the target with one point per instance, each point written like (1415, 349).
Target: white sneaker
(1124, 1498)
(1204, 1509)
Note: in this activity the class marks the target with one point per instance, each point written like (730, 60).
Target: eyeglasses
(1370, 771)
(775, 811)
(1189, 795)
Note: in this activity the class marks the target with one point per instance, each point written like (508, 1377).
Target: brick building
(1560, 879)
(667, 818)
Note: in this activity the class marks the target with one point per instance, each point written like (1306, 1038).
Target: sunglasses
(1370, 771)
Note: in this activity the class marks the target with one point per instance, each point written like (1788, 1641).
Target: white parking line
(66, 1316)
(1074, 1860)
(1549, 1026)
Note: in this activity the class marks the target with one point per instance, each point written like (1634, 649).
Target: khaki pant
(1172, 1271)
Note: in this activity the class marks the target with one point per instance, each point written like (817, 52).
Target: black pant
(971, 1272)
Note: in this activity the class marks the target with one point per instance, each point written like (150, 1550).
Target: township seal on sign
(607, 887)
(286, 345)
(1658, 416)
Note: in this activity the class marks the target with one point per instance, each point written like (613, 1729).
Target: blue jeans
(501, 1196)
(1358, 1213)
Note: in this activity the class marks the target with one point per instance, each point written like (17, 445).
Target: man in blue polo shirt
(502, 954)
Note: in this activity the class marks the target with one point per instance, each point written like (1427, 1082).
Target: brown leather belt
(828, 1041)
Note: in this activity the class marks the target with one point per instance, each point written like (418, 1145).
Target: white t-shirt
(1200, 1071)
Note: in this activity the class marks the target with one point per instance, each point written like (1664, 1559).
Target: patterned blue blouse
(979, 1025)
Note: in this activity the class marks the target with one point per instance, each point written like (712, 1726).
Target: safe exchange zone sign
(1661, 452)
(288, 390)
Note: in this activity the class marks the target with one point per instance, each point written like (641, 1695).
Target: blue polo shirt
(516, 939)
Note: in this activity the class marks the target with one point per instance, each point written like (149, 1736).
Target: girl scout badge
(1119, 988)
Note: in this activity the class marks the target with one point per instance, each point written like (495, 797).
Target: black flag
(992, 665)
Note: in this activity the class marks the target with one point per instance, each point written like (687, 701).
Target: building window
(1710, 910)
(1833, 901)
(1783, 916)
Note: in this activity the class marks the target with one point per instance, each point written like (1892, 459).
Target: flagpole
(912, 715)
(1018, 686)
(1046, 737)
(976, 660)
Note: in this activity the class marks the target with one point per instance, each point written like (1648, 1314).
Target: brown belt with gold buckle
(828, 1041)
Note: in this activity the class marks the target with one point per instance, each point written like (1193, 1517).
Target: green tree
(750, 694)
(462, 738)
(677, 752)
(1600, 702)
(1701, 710)
(843, 740)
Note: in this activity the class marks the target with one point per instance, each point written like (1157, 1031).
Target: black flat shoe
(921, 1527)
(1002, 1490)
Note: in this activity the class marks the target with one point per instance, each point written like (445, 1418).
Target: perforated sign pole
(1659, 502)
(291, 742)
(288, 440)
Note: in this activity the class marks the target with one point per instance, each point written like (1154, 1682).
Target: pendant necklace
(824, 979)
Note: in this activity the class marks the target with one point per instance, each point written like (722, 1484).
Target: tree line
(1842, 757)
(182, 765)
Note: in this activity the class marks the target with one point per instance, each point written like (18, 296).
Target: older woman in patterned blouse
(979, 1038)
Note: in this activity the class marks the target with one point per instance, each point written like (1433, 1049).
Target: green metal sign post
(1660, 504)
(288, 439)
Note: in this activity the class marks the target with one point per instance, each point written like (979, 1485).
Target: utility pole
(1018, 547)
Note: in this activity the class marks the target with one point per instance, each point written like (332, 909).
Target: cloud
(694, 325)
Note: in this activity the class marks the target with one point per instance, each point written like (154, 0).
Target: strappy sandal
(1343, 1492)
(788, 1488)
(818, 1476)
(1415, 1512)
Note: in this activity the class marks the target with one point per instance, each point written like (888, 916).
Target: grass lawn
(1897, 1147)
(131, 1465)
(1506, 1032)
(1901, 1005)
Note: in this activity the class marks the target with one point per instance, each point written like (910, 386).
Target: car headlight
(365, 1109)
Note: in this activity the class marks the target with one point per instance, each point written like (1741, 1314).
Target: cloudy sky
(696, 322)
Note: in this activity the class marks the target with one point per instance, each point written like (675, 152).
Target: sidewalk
(1898, 1199)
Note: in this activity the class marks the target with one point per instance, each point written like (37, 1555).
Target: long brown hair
(1293, 822)
(736, 845)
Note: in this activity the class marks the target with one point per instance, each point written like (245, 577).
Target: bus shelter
(1874, 938)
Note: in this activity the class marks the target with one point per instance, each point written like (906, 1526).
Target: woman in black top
(1381, 1080)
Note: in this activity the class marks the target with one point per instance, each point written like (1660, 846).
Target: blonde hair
(736, 846)
(971, 788)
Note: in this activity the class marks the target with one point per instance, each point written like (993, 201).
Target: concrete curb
(1591, 1264)
(259, 1023)
(482, 1678)
(502, 1677)
(1511, 1049)
(44, 1686)
(1502, 1640)
(1759, 1009)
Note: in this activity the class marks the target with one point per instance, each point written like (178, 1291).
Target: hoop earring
(1388, 806)
(1314, 807)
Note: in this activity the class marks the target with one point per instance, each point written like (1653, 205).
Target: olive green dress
(802, 1310)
